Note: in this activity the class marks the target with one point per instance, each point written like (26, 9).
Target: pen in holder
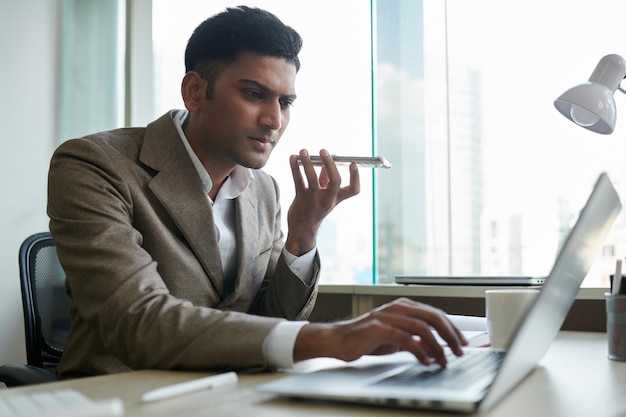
(616, 316)
(616, 326)
(622, 288)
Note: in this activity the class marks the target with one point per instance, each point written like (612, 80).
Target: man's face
(247, 114)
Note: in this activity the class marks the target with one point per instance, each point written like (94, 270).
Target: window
(487, 177)
(536, 168)
(92, 70)
(333, 109)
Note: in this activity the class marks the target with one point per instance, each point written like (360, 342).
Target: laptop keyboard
(460, 372)
(58, 403)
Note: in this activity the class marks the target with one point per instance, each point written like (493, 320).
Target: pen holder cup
(616, 326)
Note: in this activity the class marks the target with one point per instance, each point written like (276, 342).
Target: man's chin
(257, 162)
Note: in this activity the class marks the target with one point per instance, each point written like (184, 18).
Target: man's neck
(217, 172)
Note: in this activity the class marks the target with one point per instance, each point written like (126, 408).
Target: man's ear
(193, 90)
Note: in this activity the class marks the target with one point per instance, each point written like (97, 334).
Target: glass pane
(333, 109)
(92, 67)
(483, 111)
(537, 168)
(412, 213)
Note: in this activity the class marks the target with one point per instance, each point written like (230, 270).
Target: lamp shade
(591, 104)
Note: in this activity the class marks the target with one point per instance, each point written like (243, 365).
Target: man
(170, 235)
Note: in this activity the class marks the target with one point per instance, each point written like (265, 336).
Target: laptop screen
(545, 318)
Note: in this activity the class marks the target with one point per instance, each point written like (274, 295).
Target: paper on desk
(469, 323)
(473, 328)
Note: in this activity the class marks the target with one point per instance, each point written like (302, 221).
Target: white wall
(30, 35)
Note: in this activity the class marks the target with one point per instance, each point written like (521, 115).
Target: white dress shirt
(278, 346)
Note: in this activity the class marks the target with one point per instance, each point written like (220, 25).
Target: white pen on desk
(617, 278)
(187, 387)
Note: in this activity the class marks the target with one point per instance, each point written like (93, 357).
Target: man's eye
(286, 104)
(254, 94)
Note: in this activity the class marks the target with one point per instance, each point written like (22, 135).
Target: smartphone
(363, 161)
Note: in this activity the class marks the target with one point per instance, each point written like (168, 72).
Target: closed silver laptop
(502, 280)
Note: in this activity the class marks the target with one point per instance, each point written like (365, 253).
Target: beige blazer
(135, 234)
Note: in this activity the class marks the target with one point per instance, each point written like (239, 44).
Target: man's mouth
(263, 140)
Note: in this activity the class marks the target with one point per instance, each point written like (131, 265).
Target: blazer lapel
(179, 189)
(247, 251)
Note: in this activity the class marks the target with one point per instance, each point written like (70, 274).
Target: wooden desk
(574, 379)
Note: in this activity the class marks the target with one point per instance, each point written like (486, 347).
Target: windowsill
(454, 291)
(588, 313)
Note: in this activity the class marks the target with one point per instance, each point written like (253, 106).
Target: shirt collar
(238, 181)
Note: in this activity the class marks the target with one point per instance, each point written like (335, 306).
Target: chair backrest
(44, 300)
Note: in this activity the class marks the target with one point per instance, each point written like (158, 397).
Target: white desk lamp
(591, 104)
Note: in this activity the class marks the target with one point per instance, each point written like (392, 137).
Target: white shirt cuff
(279, 343)
(302, 265)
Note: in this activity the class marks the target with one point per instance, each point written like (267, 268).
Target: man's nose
(272, 117)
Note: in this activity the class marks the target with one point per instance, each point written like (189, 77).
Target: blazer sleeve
(284, 294)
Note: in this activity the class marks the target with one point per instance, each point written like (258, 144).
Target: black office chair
(46, 313)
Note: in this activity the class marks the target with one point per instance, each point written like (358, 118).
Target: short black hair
(224, 36)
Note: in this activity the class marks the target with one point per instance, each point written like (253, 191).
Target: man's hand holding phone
(316, 196)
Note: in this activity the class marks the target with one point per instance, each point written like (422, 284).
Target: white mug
(504, 309)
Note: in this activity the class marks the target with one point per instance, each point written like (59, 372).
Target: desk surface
(574, 379)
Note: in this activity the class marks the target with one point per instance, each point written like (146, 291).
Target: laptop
(510, 280)
(380, 380)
